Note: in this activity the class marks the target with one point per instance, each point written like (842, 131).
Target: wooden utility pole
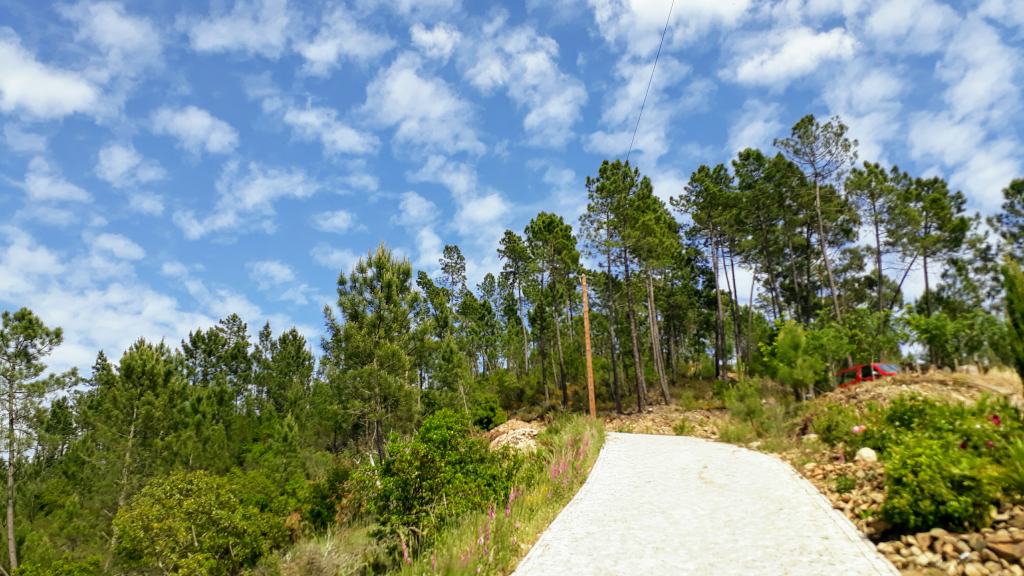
(586, 340)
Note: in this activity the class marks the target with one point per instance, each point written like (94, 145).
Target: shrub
(443, 472)
(845, 483)
(932, 482)
(1012, 473)
(487, 412)
(736, 432)
(683, 427)
(63, 567)
(194, 523)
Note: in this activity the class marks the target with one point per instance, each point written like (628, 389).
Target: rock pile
(995, 551)
(858, 490)
(516, 434)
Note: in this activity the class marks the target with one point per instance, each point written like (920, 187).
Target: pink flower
(858, 429)
(989, 443)
(995, 419)
(963, 445)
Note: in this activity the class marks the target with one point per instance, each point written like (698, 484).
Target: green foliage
(792, 359)
(487, 413)
(194, 523)
(443, 472)
(845, 483)
(63, 567)
(932, 482)
(1014, 282)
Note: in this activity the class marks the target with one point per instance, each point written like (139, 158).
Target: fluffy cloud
(340, 36)
(257, 27)
(438, 42)
(874, 111)
(277, 278)
(424, 111)
(127, 43)
(119, 246)
(525, 64)
(338, 259)
(123, 167)
(419, 215)
(414, 210)
(982, 74)
(246, 198)
(59, 287)
(19, 140)
(756, 126)
(637, 25)
(146, 203)
(334, 221)
(30, 87)
(314, 123)
(44, 183)
(919, 26)
(196, 129)
(781, 56)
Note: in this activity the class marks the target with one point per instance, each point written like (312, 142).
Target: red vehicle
(865, 373)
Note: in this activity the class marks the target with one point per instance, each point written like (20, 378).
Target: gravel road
(676, 505)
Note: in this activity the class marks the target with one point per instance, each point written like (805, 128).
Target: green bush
(63, 567)
(1011, 476)
(932, 482)
(487, 412)
(194, 523)
(845, 483)
(442, 473)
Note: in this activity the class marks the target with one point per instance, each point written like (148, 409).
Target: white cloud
(525, 64)
(122, 166)
(340, 36)
(338, 259)
(1003, 11)
(623, 104)
(414, 9)
(247, 199)
(987, 171)
(128, 43)
(982, 74)
(322, 124)
(44, 183)
(438, 42)
(59, 288)
(146, 203)
(277, 278)
(919, 26)
(637, 24)
(874, 111)
(118, 246)
(196, 129)
(757, 124)
(415, 210)
(256, 27)
(939, 136)
(781, 56)
(334, 221)
(425, 112)
(18, 140)
(30, 87)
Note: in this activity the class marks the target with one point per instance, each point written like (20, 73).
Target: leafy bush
(845, 483)
(194, 523)
(933, 482)
(63, 567)
(1012, 473)
(443, 472)
(487, 412)
(683, 427)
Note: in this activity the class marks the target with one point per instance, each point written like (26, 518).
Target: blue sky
(165, 163)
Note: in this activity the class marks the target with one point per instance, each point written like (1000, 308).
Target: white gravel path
(676, 505)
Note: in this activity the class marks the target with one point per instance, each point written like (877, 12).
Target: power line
(650, 80)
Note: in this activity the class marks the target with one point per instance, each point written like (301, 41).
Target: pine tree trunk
(612, 319)
(561, 366)
(526, 338)
(615, 388)
(719, 320)
(652, 319)
(736, 322)
(641, 384)
(12, 546)
(824, 251)
(122, 495)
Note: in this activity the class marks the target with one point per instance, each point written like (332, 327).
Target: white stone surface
(674, 505)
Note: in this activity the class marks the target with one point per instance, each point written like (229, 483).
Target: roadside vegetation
(234, 452)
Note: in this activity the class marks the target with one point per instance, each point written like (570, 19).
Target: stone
(1009, 551)
(992, 567)
(976, 542)
(866, 454)
(809, 438)
(924, 540)
(922, 560)
(886, 548)
(974, 570)
(1017, 519)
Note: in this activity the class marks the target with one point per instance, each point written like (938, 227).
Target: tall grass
(493, 541)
